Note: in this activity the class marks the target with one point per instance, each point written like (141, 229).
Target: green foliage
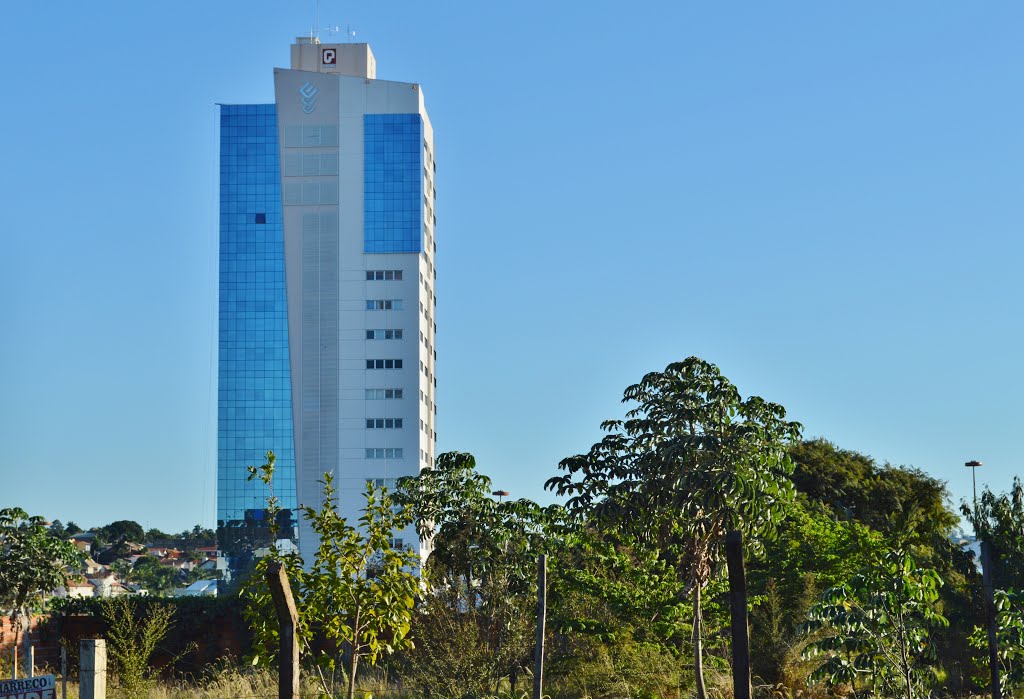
(812, 551)
(358, 595)
(877, 628)
(692, 461)
(34, 562)
(1009, 641)
(361, 589)
(121, 531)
(854, 487)
(1000, 521)
(132, 640)
(607, 586)
(148, 572)
(482, 568)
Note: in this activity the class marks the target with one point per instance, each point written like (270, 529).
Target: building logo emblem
(330, 57)
(308, 94)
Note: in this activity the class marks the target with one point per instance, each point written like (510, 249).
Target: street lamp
(973, 465)
(500, 494)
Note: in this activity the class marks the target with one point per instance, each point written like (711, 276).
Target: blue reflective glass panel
(254, 385)
(392, 183)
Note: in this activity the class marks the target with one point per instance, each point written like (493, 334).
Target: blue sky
(823, 198)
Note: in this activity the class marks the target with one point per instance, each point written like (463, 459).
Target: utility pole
(990, 618)
(542, 609)
(738, 607)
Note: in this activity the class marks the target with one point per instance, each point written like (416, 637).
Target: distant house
(83, 541)
(75, 586)
(200, 588)
(91, 567)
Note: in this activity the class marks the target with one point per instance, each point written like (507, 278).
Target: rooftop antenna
(350, 33)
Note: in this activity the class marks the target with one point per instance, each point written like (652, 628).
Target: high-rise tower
(337, 181)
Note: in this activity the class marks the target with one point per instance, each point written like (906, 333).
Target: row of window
(384, 304)
(383, 394)
(383, 363)
(383, 275)
(384, 453)
(383, 334)
(381, 423)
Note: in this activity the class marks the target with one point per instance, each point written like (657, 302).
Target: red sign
(330, 56)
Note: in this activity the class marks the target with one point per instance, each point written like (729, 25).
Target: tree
(812, 551)
(483, 561)
(123, 530)
(855, 487)
(690, 462)
(878, 626)
(361, 588)
(1009, 641)
(152, 575)
(34, 563)
(358, 593)
(999, 520)
(71, 529)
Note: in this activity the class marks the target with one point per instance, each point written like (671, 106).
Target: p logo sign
(330, 57)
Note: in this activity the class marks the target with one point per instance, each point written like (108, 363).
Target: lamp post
(974, 465)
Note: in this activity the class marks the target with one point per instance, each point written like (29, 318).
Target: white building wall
(327, 291)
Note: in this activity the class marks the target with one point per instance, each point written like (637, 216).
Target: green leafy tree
(812, 551)
(361, 588)
(155, 577)
(123, 530)
(878, 627)
(483, 562)
(1009, 641)
(999, 520)
(34, 563)
(71, 528)
(358, 593)
(691, 461)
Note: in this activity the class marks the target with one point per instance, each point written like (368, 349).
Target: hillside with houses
(123, 559)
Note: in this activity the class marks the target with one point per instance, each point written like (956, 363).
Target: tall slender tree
(692, 460)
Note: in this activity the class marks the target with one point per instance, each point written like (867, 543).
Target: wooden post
(14, 661)
(738, 606)
(542, 610)
(990, 617)
(92, 670)
(63, 672)
(287, 619)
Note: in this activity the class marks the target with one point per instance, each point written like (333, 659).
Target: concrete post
(92, 670)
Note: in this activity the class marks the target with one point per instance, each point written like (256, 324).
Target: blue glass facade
(254, 411)
(392, 183)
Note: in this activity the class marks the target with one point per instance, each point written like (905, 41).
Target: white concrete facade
(320, 109)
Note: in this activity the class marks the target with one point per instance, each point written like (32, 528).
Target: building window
(381, 275)
(383, 334)
(383, 453)
(383, 394)
(383, 363)
(261, 218)
(384, 304)
(382, 423)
